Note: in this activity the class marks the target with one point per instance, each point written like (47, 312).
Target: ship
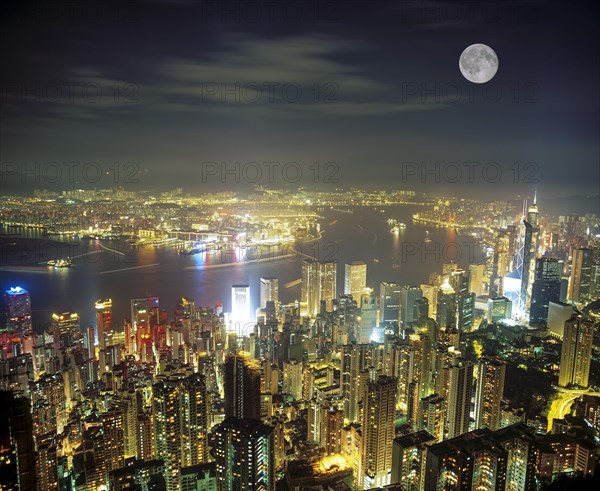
(60, 263)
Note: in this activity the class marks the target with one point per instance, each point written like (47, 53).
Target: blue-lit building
(17, 305)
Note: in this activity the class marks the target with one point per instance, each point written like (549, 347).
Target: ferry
(60, 263)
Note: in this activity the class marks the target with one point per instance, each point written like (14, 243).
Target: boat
(395, 229)
(60, 263)
(190, 252)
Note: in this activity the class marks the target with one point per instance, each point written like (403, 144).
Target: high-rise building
(430, 292)
(465, 301)
(378, 431)
(269, 291)
(389, 302)
(245, 455)
(180, 415)
(328, 282)
(242, 386)
(240, 309)
(476, 274)
(545, 289)
(499, 308)
(65, 328)
(432, 416)
(490, 390)
(530, 237)
(17, 452)
(576, 353)
(18, 311)
(581, 275)
(558, 314)
(318, 284)
(292, 379)
(142, 311)
(355, 278)
(113, 439)
(484, 460)
(356, 359)
(409, 313)
(47, 463)
(460, 382)
(446, 315)
(408, 460)
(368, 316)
(104, 325)
(332, 422)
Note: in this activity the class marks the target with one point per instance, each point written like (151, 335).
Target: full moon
(478, 63)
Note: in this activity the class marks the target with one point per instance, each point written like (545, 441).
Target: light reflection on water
(207, 277)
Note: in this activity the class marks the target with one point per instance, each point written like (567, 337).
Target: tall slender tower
(104, 324)
(318, 284)
(545, 289)
(576, 354)
(355, 278)
(490, 390)
(245, 455)
(242, 386)
(18, 309)
(356, 359)
(180, 413)
(459, 397)
(378, 431)
(581, 275)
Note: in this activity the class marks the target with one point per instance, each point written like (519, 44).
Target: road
(561, 406)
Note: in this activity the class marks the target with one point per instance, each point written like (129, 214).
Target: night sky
(160, 67)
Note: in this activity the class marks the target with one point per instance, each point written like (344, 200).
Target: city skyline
(299, 245)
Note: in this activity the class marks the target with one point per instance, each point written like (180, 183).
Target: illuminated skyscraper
(408, 460)
(581, 275)
(484, 460)
(368, 316)
(465, 301)
(476, 272)
(460, 383)
(245, 455)
(576, 354)
(113, 439)
(545, 289)
(356, 359)
(332, 422)
(180, 413)
(499, 308)
(446, 306)
(432, 416)
(240, 308)
(65, 328)
(142, 311)
(490, 390)
(104, 325)
(530, 238)
(378, 432)
(558, 314)
(18, 310)
(389, 302)
(355, 278)
(409, 313)
(269, 291)
(318, 284)
(292, 379)
(242, 386)
(328, 280)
